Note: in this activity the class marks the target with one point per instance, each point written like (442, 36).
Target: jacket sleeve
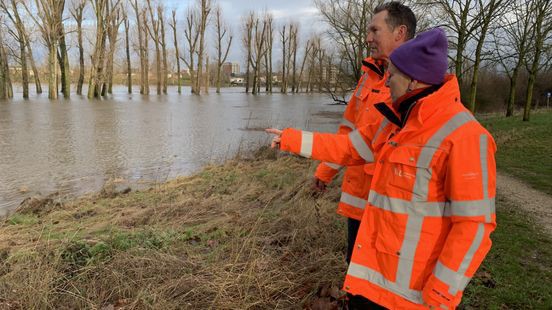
(470, 186)
(346, 150)
(325, 170)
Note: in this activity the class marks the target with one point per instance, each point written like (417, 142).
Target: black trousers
(357, 302)
(352, 230)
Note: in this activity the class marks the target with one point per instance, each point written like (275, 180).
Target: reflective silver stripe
(347, 123)
(382, 125)
(483, 144)
(353, 200)
(359, 89)
(420, 193)
(306, 144)
(361, 147)
(400, 206)
(484, 207)
(476, 243)
(374, 277)
(333, 166)
(450, 277)
(408, 249)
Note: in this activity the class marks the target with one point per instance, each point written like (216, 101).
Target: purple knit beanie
(423, 58)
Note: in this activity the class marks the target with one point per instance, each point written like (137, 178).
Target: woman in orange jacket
(430, 211)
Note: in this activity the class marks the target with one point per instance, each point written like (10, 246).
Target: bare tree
(177, 54)
(284, 39)
(489, 11)
(127, 49)
(248, 44)
(222, 46)
(293, 55)
(308, 47)
(63, 59)
(95, 82)
(269, 38)
(205, 10)
(165, 70)
(511, 45)
(5, 82)
(77, 13)
(258, 51)
(154, 35)
(191, 33)
(142, 51)
(48, 19)
(461, 17)
(113, 24)
(36, 74)
(348, 25)
(145, 51)
(542, 21)
(20, 37)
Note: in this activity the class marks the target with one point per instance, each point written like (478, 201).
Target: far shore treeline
(499, 49)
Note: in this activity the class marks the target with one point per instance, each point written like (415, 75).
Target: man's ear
(401, 31)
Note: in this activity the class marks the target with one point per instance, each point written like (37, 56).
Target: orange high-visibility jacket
(360, 110)
(430, 210)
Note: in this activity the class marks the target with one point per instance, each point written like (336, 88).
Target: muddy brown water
(75, 146)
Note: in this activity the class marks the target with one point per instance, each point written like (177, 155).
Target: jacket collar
(440, 99)
(416, 107)
(375, 65)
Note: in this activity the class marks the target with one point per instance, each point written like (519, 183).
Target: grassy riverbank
(241, 235)
(525, 148)
(246, 234)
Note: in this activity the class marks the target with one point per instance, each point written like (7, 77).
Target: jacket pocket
(410, 170)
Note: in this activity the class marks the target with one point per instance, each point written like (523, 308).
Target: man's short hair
(398, 14)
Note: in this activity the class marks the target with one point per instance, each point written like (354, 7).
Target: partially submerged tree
(6, 90)
(205, 10)
(20, 36)
(176, 51)
(191, 33)
(224, 40)
(142, 49)
(247, 40)
(127, 50)
(49, 20)
(77, 12)
(155, 36)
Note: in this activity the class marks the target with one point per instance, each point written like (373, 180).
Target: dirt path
(536, 203)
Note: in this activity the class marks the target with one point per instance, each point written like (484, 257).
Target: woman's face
(397, 82)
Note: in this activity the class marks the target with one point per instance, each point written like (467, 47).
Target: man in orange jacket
(392, 24)
(430, 212)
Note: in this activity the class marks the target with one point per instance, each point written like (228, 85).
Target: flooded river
(75, 146)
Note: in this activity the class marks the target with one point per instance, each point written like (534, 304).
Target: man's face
(381, 39)
(397, 82)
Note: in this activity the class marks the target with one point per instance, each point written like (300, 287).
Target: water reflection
(74, 146)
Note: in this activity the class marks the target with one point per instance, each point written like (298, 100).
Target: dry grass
(243, 235)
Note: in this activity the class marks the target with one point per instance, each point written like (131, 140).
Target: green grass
(525, 148)
(517, 272)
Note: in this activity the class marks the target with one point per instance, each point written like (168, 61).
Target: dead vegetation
(246, 234)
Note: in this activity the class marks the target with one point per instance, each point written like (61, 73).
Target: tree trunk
(64, 65)
(512, 94)
(36, 75)
(127, 48)
(177, 54)
(146, 54)
(163, 48)
(52, 78)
